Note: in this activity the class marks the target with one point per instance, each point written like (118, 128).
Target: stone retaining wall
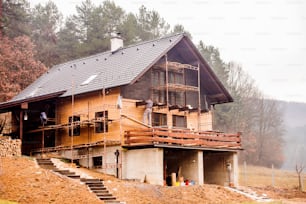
(9, 147)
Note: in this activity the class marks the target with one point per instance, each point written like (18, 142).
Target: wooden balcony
(181, 138)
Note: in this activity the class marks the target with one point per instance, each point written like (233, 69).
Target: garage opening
(180, 167)
(218, 167)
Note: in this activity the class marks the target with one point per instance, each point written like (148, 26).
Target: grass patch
(256, 176)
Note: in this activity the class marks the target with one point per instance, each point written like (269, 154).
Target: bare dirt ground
(22, 181)
(285, 195)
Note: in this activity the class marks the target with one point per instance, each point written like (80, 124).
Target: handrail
(210, 139)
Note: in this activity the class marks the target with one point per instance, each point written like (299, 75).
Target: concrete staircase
(97, 187)
(94, 185)
(48, 164)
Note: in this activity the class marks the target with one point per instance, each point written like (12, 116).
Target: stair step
(100, 191)
(106, 197)
(45, 163)
(112, 202)
(97, 188)
(62, 171)
(104, 194)
(93, 181)
(74, 176)
(95, 185)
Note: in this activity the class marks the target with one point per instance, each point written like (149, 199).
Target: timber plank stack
(9, 147)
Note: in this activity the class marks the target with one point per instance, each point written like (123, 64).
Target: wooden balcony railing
(205, 139)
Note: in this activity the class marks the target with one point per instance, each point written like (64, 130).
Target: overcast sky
(267, 37)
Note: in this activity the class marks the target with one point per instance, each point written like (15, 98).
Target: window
(159, 96)
(159, 119)
(102, 122)
(159, 78)
(179, 121)
(176, 98)
(97, 161)
(176, 78)
(89, 79)
(76, 127)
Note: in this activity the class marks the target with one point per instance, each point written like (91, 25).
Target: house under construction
(91, 111)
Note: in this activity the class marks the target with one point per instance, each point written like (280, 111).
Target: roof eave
(11, 104)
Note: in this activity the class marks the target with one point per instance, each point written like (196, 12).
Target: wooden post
(1, 18)
(88, 134)
(21, 125)
(272, 167)
(173, 179)
(43, 140)
(104, 128)
(167, 81)
(72, 119)
(199, 99)
(245, 173)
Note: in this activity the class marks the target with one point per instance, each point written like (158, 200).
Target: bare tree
(300, 165)
(299, 170)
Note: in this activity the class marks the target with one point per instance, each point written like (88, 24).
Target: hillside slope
(23, 181)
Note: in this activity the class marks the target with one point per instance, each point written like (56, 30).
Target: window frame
(99, 125)
(76, 128)
(176, 117)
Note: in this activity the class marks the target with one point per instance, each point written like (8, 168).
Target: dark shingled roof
(111, 69)
(104, 70)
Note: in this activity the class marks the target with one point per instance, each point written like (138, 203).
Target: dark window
(179, 121)
(159, 96)
(159, 119)
(176, 98)
(97, 161)
(159, 78)
(102, 122)
(76, 126)
(176, 78)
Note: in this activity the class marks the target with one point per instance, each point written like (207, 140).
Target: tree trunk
(299, 170)
(301, 187)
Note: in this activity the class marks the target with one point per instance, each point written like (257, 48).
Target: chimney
(116, 42)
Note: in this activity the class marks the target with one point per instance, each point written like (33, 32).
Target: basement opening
(218, 167)
(180, 167)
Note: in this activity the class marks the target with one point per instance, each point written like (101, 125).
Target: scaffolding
(164, 85)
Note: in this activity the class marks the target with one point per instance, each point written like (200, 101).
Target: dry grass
(255, 176)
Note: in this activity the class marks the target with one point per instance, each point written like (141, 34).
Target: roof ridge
(121, 49)
(153, 40)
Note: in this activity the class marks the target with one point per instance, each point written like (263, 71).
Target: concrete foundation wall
(143, 163)
(108, 158)
(152, 164)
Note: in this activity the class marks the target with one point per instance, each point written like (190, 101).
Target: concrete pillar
(200, 171)
(235, 171)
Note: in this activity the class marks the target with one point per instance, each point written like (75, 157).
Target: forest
(36, 37)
